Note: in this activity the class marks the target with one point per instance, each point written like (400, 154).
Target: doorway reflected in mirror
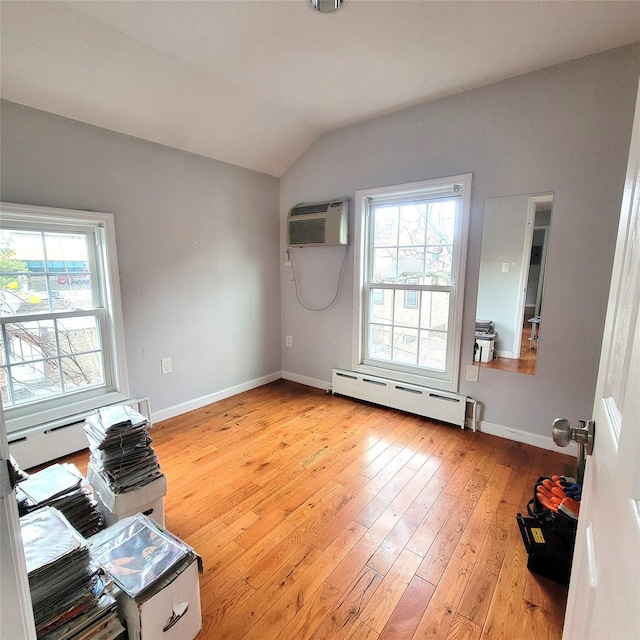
(515, 237)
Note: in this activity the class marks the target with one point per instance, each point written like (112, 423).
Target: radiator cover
(431, 403)
(43, 443)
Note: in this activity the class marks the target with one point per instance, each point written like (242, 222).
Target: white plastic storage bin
(485, 350)
(148, 499)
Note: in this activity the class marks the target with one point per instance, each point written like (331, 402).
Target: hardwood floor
(322, 517)
(526, 363)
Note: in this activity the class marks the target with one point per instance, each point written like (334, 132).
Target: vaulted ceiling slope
(254, 83)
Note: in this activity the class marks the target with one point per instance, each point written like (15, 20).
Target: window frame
(459, 186)
(105, 286)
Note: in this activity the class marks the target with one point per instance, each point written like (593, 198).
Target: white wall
(197, 245)
(564, 129)
(198, 239)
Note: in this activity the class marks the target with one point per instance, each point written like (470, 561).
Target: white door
(16, 618)
(604, 592)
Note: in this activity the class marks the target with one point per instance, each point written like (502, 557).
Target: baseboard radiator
(430, 403)
(46, 442)
(43, 443)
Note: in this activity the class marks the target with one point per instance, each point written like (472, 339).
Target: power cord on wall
(295, 281)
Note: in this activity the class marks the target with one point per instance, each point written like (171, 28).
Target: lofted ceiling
(255, 82)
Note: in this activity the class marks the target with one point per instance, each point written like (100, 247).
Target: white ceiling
(255, 82)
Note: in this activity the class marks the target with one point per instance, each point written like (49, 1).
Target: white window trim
(426, 188)
(27, 416)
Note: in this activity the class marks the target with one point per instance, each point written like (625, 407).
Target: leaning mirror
(509, 311)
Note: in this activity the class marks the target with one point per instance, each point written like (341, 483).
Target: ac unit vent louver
(307, 231)
(303, 210)
(319, 224)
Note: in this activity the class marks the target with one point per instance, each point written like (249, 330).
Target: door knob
(563, 433)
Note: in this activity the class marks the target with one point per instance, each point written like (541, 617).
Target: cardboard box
(148, 499)
(171, 610)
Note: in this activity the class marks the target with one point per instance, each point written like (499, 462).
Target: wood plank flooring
(526, 363)
(319, 517)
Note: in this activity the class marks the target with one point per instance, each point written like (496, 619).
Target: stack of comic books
(61, 486)
(120, 447)
(68, 595)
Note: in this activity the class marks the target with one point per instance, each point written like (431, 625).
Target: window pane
(43, 272)
(410, 264)
(385, 226)
(413, 222)
(82, 371)
(438, 263)
(71, 291)
(384, 265)
(29, 341)
(405, 346)
(10, 303)
(433, 350)
(414, 242)
(441, 217)
(380, 342)
(434, 311)
(15, 246)
(66, 252)
(440, 239)
(381, 305)
(34, 295)
(35, 381)
(76, 335)
(21, 392)
(404, 314)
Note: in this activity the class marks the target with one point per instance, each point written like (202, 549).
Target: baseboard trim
(542, 442)
(203, 401)
(309, 382)
(26, 457)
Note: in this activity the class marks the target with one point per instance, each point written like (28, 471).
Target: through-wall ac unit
(320, 224)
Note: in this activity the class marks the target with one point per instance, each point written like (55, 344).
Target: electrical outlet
(472, 372)
(506, 267)
(289, 341)
(166, 366)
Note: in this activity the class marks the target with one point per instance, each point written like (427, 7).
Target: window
(411, 295)
(411, 244)
(61, 336)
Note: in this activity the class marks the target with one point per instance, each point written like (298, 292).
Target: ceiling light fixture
(326, 6)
